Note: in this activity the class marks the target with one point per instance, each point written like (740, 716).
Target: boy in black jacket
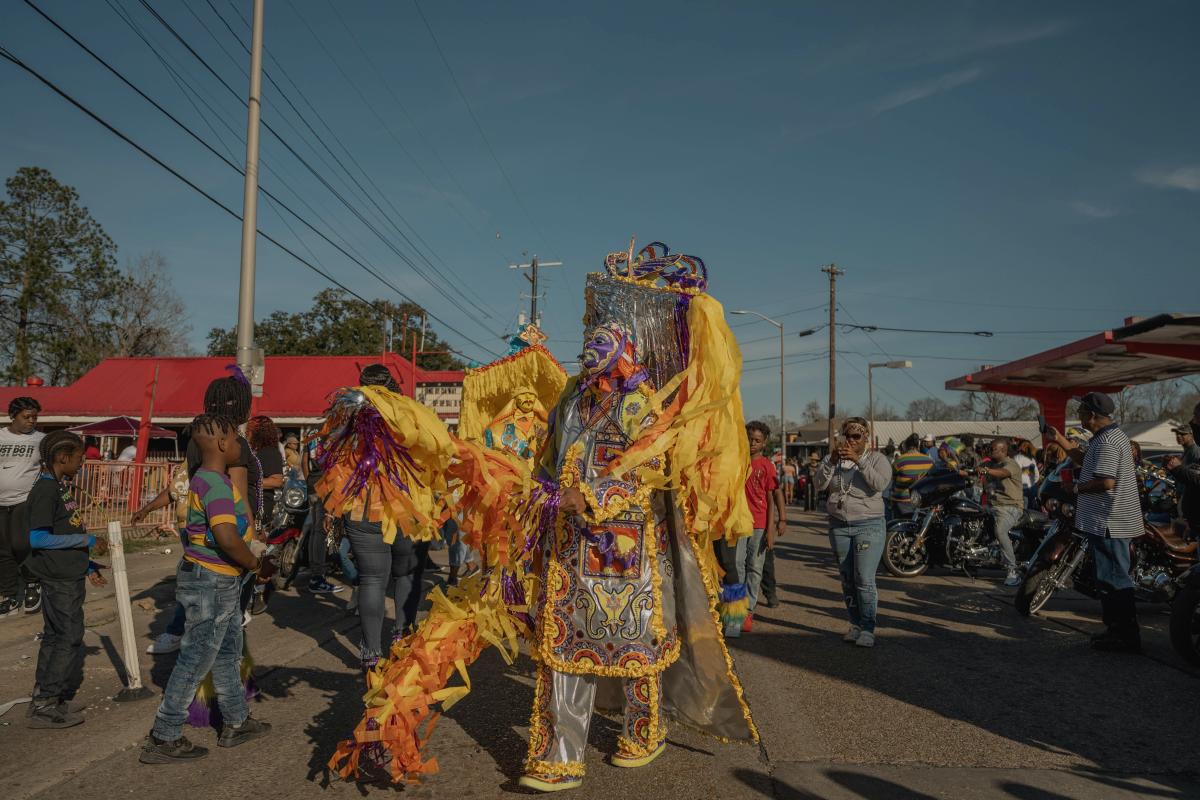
(59, 546)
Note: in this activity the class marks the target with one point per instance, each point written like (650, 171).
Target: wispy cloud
(920, 91)
(1093, 211)
(972, 44)
(1185, 177)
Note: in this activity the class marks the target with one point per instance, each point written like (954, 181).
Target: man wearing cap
(1186, 470)
(1108, 509)
(930, 447)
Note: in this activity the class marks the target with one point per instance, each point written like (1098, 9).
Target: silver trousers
(562, 714)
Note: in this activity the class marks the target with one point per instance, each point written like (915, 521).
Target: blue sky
(1026, 168)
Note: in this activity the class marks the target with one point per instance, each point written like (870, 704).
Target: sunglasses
(854, 437)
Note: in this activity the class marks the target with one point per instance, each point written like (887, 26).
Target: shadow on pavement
(968, 656)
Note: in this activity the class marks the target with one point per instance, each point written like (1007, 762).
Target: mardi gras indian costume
(619, 604)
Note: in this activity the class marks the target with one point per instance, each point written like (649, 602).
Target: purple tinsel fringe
(360, 432)
(207, 713)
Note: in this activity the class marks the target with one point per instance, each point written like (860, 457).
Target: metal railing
(105, 492)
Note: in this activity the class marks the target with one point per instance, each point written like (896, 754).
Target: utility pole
(533, 266)
(833, 272)
(246, 356)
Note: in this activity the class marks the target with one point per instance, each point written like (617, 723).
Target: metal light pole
(871, 389)
(782, 417)
(245, 325)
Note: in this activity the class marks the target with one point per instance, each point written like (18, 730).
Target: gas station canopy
(1144, 350)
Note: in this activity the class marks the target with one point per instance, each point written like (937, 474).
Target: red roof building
(295, 388)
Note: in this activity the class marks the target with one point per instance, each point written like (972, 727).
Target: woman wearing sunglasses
(855, 477)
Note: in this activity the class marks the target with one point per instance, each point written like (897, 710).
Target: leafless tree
(149, 318)
(812, 413)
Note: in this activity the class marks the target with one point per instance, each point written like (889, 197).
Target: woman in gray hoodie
(855, 478)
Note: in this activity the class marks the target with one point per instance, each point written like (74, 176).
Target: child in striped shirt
(208, 585)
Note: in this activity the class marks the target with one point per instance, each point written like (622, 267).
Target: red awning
(1145, 350)
(120, 426)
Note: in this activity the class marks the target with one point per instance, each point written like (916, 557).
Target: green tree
(58, 280)
(340, 325)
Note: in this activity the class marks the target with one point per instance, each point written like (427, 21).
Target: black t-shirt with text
(253, 478)
(272, 464)
(50, 506)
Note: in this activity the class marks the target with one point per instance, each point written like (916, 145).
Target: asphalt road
(961, 698)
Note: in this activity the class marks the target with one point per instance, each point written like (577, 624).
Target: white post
(133, 670)
(245, 326)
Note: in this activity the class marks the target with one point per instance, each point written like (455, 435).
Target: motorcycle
(951, 529)
(291, 509)
(1160, 558)
(1185, 617)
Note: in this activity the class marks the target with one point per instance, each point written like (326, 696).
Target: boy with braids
(208, 584)
(59, 547)
(19, 467)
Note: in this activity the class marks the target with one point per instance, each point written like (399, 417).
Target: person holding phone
(1108, 510)
(855, 478)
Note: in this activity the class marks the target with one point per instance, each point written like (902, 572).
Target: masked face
(601, 352)
(526, 401)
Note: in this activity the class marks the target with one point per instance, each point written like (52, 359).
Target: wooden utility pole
(533, 266)
(832, 271)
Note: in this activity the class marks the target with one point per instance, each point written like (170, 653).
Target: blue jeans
(455, 549)
(349, 571)
(212, 642)
(1112, 561)
(858, 546)
(752, 567)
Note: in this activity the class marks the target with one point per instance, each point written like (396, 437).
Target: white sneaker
(852, 634)
(246, 617)
(1013, 579)
(866, 639)
(165, 643)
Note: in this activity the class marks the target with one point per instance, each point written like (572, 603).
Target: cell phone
(1042, 426)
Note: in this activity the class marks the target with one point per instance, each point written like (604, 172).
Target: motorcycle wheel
(287, 563)
(1185, 621)
(900, 558)
(1037, 588)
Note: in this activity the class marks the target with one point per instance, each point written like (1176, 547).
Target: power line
(478, 125)
(907, 373)
(486, 141)
(8, 55)
(371, 107)
(158, 17)
(412, 120)
(882, 390)
(206, 145)
(784, 314)
(238, 136)
(364, 193)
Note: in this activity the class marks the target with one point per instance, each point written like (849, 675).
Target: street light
(782, 418)
(871, 388)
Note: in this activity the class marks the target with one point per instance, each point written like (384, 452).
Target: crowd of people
(224, 496)
(863, 488)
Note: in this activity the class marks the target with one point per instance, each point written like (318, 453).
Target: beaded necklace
(258, 489)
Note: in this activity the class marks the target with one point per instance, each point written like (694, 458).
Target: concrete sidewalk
(962, 698)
